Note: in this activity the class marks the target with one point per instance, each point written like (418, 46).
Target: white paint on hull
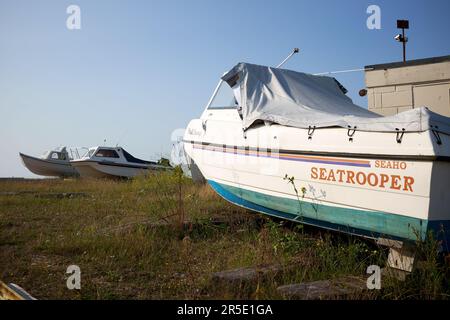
(425, 198)
(91, 169)
(50, 168)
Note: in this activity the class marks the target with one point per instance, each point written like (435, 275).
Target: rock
(324, 289)
(246, 274)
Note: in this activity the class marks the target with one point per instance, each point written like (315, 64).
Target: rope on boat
(342, 71)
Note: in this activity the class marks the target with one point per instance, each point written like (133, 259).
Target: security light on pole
(402, 24)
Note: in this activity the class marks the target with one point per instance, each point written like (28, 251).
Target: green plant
(291, 180)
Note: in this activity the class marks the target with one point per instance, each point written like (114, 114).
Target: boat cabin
(115, 154)
(60, 154)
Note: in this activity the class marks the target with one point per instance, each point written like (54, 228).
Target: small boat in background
(113, 162)
(53, 163)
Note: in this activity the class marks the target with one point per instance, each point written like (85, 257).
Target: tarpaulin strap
(400, 135)
(311, 131)
(351, 132)
(437, 136)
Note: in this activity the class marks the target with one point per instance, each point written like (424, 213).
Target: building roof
(408, 63)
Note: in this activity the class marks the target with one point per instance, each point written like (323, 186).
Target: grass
(162, 237)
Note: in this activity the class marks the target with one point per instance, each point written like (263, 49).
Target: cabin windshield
(224, 98)
(58, 156)
(54, 155)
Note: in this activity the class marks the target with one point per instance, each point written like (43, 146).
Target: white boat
(53, 163)
(293, 145)
(112, 162)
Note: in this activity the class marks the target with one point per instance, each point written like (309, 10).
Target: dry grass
(136, 240)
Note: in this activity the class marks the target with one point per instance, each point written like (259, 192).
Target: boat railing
(76, 153)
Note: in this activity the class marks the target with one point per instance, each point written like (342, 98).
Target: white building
(396, 87)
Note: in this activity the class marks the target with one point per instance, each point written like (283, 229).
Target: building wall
(394, 90)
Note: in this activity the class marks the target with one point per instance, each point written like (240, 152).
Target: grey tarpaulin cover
(303, 100)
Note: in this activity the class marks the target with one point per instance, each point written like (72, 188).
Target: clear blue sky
(137, 70)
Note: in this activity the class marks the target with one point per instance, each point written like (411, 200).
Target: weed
(128, 239)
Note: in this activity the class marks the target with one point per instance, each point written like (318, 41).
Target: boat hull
(49, 168)
(370, 224)
(95, 169)
(396, 196)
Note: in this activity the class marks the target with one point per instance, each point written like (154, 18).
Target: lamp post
(402, 24)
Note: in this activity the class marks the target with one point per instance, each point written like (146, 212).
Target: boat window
(224, 98)
(105, 153)
(58, 156)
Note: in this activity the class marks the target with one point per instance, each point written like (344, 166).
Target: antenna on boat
(296, 50)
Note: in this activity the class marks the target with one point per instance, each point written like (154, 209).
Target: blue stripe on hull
(371, 224)
(277, 155)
